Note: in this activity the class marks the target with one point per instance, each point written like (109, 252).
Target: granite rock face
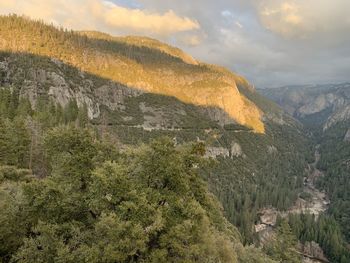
(329, 103)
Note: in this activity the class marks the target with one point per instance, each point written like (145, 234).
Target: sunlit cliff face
(142, 64)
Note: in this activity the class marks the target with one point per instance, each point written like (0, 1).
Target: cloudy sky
(271, 42)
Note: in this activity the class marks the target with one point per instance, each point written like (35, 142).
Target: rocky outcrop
(56, 83)
(313, 251)
(268, 216)
(214, 152)
(236, 150)
(347, 136)
(340, 115)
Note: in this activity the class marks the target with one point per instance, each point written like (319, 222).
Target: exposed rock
(153, 118)
(341, 114)
(272, 149)
(62, 94)
(222, 117)
(347, 136)
(313, 251)
(322, 102)
(260, 227)
(309, 260)
(188, 81)
(236, 150)
(268, 216)
(215, 152)
(113, 95)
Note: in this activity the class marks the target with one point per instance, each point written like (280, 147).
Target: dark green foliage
(83, 117)
(325, 231)
(71, 111)
(21, 128)
(149, 205)
(97, 205)
(14, 142)
(335, 161)
(284, 246)
(273, 179)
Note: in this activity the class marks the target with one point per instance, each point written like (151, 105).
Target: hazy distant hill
(325, 104)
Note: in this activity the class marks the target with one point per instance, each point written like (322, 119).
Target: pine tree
(284, 247)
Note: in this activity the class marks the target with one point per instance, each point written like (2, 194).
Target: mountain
(149, 66)
(325, 104)
(133, 90)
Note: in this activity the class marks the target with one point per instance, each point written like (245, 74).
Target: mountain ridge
(328, 103)
(138, 67)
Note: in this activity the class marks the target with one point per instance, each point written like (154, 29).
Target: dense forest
(323, 230)
(41, 50)
(335, 161)
(68, 196)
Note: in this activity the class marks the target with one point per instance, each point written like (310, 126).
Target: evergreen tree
(284, 246)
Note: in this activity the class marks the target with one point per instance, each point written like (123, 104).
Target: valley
(126, 149)
(323, 110)
(311, 201)
(316, 201)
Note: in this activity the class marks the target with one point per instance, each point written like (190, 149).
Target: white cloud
(138, 20)
(101, 15)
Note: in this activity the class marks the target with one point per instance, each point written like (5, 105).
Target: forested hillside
(68, 196)
(75, 108)
(324, 110)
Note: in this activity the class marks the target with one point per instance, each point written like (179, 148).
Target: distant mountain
(324, 104)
